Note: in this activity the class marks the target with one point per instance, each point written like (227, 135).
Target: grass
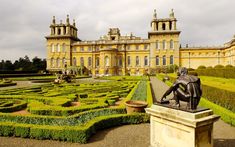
(141, 92)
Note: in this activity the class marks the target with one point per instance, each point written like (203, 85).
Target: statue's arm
(169, 90)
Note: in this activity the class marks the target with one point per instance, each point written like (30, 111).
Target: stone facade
(114, 54)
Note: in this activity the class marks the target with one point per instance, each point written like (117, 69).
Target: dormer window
(112, 38)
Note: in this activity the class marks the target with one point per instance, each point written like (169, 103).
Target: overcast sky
(24, 23)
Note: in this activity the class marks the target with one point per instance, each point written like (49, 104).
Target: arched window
(163, 26)
(97, 61)
(170, 25)
(120, 61)
(82, 61)
(63, 47)
(106, 59)
(145, 60)
(59, 31)
(63, 61)
(157, 60)
(89, 61)
(128, 60)
(171, 44)
(52, 48)
(58, 47)
(164, 44)
(58, 62)
(164, 60)
(74, 61)
(52, 62)
(137, 61)
(157, 44)
(171, 59)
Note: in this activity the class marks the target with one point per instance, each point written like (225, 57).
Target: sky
(25, 23)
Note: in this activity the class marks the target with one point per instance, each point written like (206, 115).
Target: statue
(186, 88)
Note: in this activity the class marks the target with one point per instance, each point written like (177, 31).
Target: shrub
(218, 66)
(201, 67)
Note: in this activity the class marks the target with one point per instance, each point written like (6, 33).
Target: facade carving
(114, 54)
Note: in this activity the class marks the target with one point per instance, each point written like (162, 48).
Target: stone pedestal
(177, 128)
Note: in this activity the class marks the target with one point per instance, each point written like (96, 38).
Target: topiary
(201, 67)
(229, 66)
(218, 66)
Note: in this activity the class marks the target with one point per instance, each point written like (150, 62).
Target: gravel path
(21, 84)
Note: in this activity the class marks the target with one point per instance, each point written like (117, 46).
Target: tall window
(52, 48)
(145, 60)
(89, 61)
(163, 26)
(128, 60)
(157, 60)
(74, 61)
(63, 47)
(81, 49)
(164, 44)
(137, 47)
(120, 61)
(89, 49)
(97, 61)
(137, 61)
(63, 62)
(106, 59)
(164, 60)
(128, 47)
(157, 45)
(146, 46)
(52, 62)
(82, 61)
(58, 47)
(171, 59)
(58, 62)
(171, 44)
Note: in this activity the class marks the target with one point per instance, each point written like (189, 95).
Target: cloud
(24, 23)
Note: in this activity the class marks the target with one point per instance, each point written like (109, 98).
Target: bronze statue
(186, 88)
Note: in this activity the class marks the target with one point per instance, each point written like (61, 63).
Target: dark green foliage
(219, 66)
(220, 97)
(217, 72)
(79, 134)
(201, 67)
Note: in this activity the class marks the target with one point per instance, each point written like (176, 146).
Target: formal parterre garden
(71, 111)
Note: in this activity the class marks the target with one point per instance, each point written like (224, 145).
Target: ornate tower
(164, 41)
(59, 51)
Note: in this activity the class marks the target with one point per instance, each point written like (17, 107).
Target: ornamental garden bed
(68, 112)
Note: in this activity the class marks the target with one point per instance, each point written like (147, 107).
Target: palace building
(114, 54)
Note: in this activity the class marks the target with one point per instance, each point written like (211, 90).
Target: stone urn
(135, 106)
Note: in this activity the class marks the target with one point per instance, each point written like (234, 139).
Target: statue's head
(182, 71)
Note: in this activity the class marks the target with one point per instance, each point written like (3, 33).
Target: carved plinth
(177, 128)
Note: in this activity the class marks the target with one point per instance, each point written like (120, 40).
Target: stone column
(177, 128)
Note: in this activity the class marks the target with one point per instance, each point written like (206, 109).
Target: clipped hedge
(79, 134)
(217, 72)
(18, 105)
(7, 84)
(72, 120)
(226, 115)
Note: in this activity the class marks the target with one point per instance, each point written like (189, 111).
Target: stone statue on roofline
(186, 88)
